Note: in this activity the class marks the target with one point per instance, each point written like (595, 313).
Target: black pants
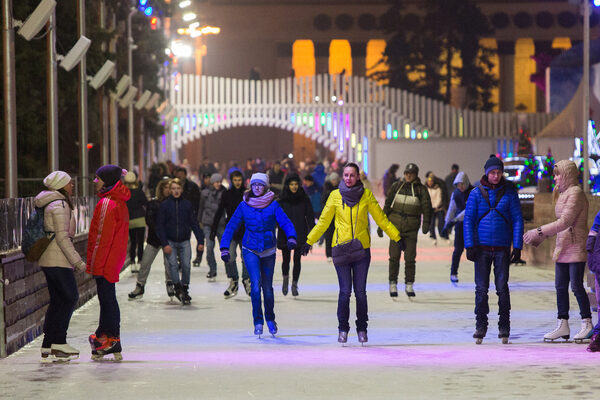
(63, 299)
(110, 315)
(285, 264)
(136, 242)
(459, 247)
(349, 277)
(438, 216)
(329, 238)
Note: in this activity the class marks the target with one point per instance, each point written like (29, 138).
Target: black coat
(176, 221)
(191, 192)
(151, 220)
(230, 200)
(301, 214)
(136, 205)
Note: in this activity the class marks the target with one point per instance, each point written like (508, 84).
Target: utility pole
(130, 45)
(586, 93)
(82, 105)
(103, 100)
(114, 110)
(10, 102)
(52, 94)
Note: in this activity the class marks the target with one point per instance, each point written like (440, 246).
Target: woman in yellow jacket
(351, 205)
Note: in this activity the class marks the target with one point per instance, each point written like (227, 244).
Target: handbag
(350, 251)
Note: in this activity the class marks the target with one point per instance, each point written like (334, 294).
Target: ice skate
(258, 330)
(92, 340)
(137, 293)
(479, 335)
(454, 279)
(211, 276)
(285, 285)
(107, 345)
(503, 335)
(247, 285)
(272, 325)
(295, 289)
(362, 337)
(170, 290)
(586, 331)
(410, 292)
(342, 337)
(393, 289)
(186, 300)
(59, 353)
(196, 262)
(561, 331)
(179, 292)
(231, 290)
(594, 345)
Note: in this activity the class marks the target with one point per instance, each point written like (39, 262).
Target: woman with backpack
(57, 262)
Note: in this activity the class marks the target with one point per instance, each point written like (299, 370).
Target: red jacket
(108, 235)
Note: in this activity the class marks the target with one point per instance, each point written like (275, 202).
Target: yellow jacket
(343, 232)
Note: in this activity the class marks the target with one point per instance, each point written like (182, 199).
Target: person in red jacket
(106, 253)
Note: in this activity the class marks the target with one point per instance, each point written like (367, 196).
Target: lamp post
(10, 103)
(586, 93)
(83, 105)
(130, 46)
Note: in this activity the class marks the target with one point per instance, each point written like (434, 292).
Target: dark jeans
(261, 276)
(500, 259)
(459, 247)
(110, 315)
(410, 256)
(353, 275)
(597, 327)
(231, 267)
(329, 238)
(63, 299)
(285, 264)
(440, 217)
(136, 242)
(572, 272)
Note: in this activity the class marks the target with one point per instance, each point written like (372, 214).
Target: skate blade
(478, 341)
(100, 357)
(561, 339)
(505, 340)
(582, 341)
(55, 360)
(135, 298)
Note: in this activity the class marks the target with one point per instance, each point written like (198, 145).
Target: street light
(184, 4)
(190, 16)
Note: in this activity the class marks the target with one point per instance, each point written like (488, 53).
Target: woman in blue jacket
(260, 214)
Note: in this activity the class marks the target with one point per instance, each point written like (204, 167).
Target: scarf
(351, 196)
(259, 202)
(485, 182)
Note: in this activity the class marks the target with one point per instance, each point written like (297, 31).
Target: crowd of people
(263, 208)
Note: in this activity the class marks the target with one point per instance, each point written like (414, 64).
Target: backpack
(35, 241)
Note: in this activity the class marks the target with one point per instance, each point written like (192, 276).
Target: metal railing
(14, 214)
(27, 187)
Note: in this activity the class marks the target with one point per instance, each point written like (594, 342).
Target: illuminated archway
(340, 57)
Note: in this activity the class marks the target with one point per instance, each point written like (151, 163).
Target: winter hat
(493, 163)
(130, 177)
(411, 168)
(110, 174)
(259, 177)
(216, 177)
(57, 180)
(334, 176)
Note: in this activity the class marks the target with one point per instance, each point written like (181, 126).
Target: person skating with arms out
(260, 214)
(493, 222)
(106, 252)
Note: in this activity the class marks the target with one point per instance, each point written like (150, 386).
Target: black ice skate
(479, 335)
(211, 276)
(186, 300)
(247, 285)
(179, 292)
(503, 335)
(137, 293)
(272, 327)
(105, 346)
(196, 262)
(231, 290)
(342, 337)
(258, 330)
(410, 292)
(170, 290)
(362, 337)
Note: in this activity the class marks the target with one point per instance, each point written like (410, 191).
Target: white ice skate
(59, 353)
(561, 331)
(585, 332)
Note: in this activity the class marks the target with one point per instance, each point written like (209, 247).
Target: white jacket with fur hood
(58, 218)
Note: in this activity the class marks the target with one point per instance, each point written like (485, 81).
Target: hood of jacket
(46, 196)
(118, 192)
(569, 173)
(461, 177)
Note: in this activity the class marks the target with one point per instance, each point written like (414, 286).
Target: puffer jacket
(499, 227)
(210, 198)
(405, 203)
(458, 201)
(359, 214)
(260, 224)
(108, 235)
(176, 221)
(571, 211)
(58, 218)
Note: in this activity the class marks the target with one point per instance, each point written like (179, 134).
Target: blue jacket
(499, 227)
(176, 220)
(260, 224)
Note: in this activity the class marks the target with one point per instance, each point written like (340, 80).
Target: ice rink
(417, 349)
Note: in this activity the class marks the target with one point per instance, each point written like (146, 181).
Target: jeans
(572, 272)
(597, 327)
(63, 299)
(285, 263)
(182, 250)
(231, 267)
(150, 253)
(353, 275)
(136, 242)
(261, 276)
(209, 248)
(110, 315)
(410, 256)
(500, 259)
(459, 247)
(440, 217)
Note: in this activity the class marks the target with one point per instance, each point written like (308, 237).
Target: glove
(472, 254)
(589, 245)
(291, 243)
(225, 255)
(379, 232)
(212, 236)
(515, 257)
(401, 244)
(533, 238)
(305, 249)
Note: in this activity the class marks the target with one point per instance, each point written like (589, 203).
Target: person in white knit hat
(57, 263)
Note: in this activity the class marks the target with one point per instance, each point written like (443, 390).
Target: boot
(585, 332)
(561, 331)
(258, 329)
(479, 334)
(342, 337)
(231, 290)
(285, 284)
(454, 278)
(211, 276)
(594, 344)
(137, 293)
(185, 295)
(410, 292)
(295, 288)
(247, 285)
(272, 325)
(170, 289)
(179, 292)
(393, 289)
(362, 337)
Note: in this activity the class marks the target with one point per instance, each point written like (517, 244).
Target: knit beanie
(216, 177)
(493, 163)
(259, 177)
(130, 177)
(110, 174)
(57, 180)
(334, 176)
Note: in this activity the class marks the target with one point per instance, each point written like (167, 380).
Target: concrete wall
(562, 148)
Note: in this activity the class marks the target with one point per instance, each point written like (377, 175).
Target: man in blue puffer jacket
(493, 222)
